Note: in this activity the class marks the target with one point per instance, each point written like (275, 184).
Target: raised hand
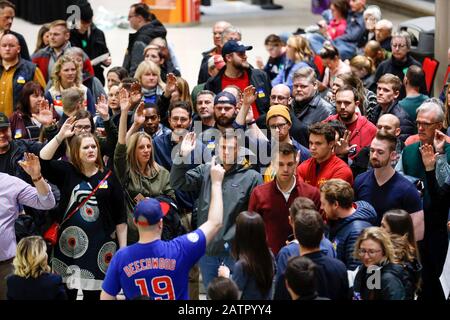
(343, 144)
(66, 130)
(45, 115)
(139, 117)
(439, 141)
(249, 95)
(136, 93)
(124, 100)
(217, 171)
(188, 144)
(102, 108)
(171, 84)
(30, 164)
(259, 63)
(428, 156)
(223, 271)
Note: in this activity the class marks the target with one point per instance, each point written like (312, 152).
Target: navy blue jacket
(331, 275)
(45, 287)
(345, 232)
(355, 28)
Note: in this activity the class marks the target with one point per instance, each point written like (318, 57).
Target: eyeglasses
(81, 127)
(371, 253)
(278, 126)
(398, 46)
(426, 125)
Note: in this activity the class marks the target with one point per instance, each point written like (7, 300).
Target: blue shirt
(397, 193)
(159, 269)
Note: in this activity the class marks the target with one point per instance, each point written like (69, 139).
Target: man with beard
(360, 131)
(237, 71)
(205, 108)
(384, 188)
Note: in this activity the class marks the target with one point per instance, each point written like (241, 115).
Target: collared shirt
(54, 57)
(14, 193)
(287, 194)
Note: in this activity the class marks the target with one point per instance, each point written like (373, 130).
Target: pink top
(336, 28)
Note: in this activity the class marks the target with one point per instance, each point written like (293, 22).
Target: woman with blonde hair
(91, 212)
(378, 278)
(135, 165)
(148, 74)
(32, 279)
(67, 74)
(363, 68)
(299, 55)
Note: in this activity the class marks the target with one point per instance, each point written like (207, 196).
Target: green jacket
(237, 186)
(148, 186)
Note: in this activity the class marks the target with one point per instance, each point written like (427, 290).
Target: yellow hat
(278, 110)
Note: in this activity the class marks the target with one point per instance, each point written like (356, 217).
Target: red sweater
(332, 168)
(269, 202)
(363, 132)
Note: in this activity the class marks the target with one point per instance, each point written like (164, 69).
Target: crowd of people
(322, 174)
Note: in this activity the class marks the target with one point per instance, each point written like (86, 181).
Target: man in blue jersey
(159, 269)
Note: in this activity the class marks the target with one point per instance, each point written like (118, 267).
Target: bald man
(387, 124)
(14, 73)
(383, 31)
(217, 31)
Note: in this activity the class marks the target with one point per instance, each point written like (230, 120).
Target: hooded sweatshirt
(345, 232)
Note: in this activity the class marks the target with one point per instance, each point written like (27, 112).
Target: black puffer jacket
(258, 79)
(345, 232)
(139, 40)
(391, 283)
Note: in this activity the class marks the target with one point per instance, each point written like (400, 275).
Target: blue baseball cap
(225, 97)
(151, 209)
(234, 46)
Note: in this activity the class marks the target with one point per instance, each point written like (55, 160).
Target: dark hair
(415, 76)
(347, 87)
(250, 247)
(329, 51)
(273, 39)
(400, 223)
(28, 89)
(342, 6)
(122, 73)
(143, 10)
(338, 190)
(84, 114)
(300, 275)
(339, 127)
(300, 203)
(391, 139)
(150, 105)
(309, 228)
(221, 288)
(86, 12)
(185, 105)
(287, 149)
(323, 129)
(40, 41)
(7, 4)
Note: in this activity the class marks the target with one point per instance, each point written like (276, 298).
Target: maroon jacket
(269, 202)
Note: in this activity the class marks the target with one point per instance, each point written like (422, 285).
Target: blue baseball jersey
(158, 269)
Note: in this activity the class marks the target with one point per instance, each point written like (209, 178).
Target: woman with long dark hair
(255, 267)
(32, 113)
(91, 212)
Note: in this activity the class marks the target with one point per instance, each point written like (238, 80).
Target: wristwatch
(37, 179)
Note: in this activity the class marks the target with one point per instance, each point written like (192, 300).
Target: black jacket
(17, 149)
(203, 75)
(345, 232)
(139, 40)
(391, 283)
(95, 47)
(407, 125)
(258, 79)
(396, 68)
